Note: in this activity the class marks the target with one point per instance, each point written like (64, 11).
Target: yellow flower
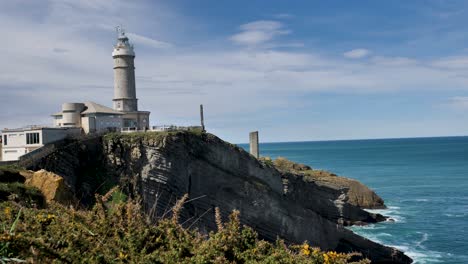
(332, 254)
(122, 255)
(8, 212)
(305, 249)
(326, 260)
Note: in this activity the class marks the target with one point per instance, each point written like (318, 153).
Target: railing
(161, 128)
(28, 127)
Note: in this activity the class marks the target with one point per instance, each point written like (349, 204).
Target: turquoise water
(424, 182)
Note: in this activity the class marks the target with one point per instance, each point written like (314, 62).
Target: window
(5, 140)
(32, 138)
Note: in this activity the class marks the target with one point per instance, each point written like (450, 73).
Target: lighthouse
(124, 74)
(125, 100)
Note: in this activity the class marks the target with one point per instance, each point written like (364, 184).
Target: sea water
(424, 182)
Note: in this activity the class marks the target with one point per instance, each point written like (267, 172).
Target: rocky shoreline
(297, 204)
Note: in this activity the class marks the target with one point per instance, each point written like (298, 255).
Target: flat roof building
(20, 141)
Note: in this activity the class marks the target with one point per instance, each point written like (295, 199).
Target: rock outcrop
(52, 186)
(357, 194)
(161, 167)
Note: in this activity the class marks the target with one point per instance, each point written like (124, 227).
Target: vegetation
(155, 136)
(285, 165)
(116, 231)
(136, 136)
(13, 168)
(21, 194)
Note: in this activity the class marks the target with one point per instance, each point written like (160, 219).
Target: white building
(87, 117)
(17, 142)
(90, 117)
(93, 117)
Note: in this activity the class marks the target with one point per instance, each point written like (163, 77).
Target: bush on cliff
(115, 231)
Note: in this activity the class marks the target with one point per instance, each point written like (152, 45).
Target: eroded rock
(52, 186)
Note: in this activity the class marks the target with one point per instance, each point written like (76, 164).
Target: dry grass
(118, 232)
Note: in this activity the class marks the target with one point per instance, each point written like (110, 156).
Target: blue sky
(294, 70)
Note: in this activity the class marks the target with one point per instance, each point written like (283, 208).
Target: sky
(293, 70)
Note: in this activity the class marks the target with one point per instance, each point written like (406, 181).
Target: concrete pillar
(202, 119)
(254, 150)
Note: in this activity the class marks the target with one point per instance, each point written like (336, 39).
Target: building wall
(58, 121)
(16, 144)
(139, 120)
(72, 114)
(52, 135)
(87, 124)
(104, 122)
(12, 153)
(17, 140)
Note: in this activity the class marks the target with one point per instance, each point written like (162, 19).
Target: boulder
(52, 186)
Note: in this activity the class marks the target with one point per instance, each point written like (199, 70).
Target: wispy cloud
(148, 41)
(259, 32)
(357, 53)
(453, 62)
(283, 16)
(393, 61)
(459, 102)
(60, 50)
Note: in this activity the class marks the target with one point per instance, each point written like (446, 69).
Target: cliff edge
(161, 167)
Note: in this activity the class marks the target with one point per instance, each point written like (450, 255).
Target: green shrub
(119, 233)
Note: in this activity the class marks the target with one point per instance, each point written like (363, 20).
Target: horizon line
(352, 139)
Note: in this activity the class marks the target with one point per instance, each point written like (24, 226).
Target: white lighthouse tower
(125, 100)
(124, 74)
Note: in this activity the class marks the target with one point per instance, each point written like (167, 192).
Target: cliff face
(161, 167)
(357, 194)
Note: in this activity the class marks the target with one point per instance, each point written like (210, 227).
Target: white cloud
(393, 61)
(454, 62)
(459, 102)
(357, 53)
(259, 32)
(283, 16)
(148, 41)
(67, 57)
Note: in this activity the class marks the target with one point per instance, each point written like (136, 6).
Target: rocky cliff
(161, 167)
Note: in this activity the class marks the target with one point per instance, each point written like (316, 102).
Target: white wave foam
(421, 200)
(366, 227)
(393, 212)
(424, 238)
(415, 200)
(420, 257)
(456, 215)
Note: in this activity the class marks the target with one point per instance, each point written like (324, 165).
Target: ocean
(424, 182)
